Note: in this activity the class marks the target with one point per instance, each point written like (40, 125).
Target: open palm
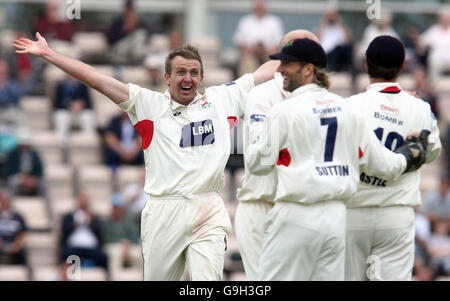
(26, 46)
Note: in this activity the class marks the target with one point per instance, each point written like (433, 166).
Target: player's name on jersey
(327, 110)
(334, 170)
(382, 117)
(372, 180)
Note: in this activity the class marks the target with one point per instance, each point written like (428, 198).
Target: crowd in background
(113, 242)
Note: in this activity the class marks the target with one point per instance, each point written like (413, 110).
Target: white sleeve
(434, 142)
(375, 159)
(256, 113)
(129, 106)
(141, 104)
(262, 154)
(236, 94)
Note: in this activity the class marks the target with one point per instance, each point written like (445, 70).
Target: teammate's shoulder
(408, 96)
(357, 96)
(334, 96)
(266, 86)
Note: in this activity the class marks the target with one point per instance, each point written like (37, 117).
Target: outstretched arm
(109, 86)
(265, 72)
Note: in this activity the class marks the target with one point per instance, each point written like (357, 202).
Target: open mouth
(186, 88)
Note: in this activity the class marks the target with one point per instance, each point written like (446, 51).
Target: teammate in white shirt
(257, 192)
(380, 216)
(185, 137)
(317, 143)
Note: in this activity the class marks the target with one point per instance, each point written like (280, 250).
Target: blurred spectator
(175, 40)
(447, 151)
(155, 61)
(8, 142)
(24, 169)
(60, 273)
(72, 105)
(26, 70)
(421, 272)
(337, 41)
(121, 238)
(425, 91)
(439, 247)
(50, 25)
(257, 35)
(437, 40)
(415, 57)
(12, 233)
(154, 64)
(423, 226)
(377, 28)
(81, 235)
(437, 203)
(136, 198)
(127, 36)
(423, 234)
(123, 145)
(10, 94)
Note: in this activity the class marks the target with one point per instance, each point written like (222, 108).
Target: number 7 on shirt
(331, 122)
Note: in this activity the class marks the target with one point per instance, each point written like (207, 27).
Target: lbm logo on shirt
(197, 133)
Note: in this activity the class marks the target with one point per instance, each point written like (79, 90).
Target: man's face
(292, 75)
(444, 20)
(83, 201)
(184, 79)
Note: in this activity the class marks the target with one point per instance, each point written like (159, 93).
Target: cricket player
(316, 142)
(380, 216)
(186, 143)
(257, 192)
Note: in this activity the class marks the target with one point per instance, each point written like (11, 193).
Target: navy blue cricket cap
(302, 50)
(386, 51)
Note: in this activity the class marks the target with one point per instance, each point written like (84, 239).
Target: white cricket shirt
(317, 142)
(393, 114)
(186, 148)
(260, 101)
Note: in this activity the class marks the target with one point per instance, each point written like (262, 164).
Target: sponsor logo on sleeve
(257, 118)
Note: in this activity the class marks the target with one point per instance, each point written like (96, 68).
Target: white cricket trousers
(380, 243)
(304, 242)
(249, 226)
(63, 120)
(178, 230)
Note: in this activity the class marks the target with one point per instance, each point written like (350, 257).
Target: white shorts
(304, 242)
(380, 243)
(249, 226)
(175, 231)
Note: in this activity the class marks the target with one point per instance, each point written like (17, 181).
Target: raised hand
(26, 46)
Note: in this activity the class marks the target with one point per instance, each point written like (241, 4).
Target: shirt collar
(175, 105)
(387, 87)
(305, 88)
